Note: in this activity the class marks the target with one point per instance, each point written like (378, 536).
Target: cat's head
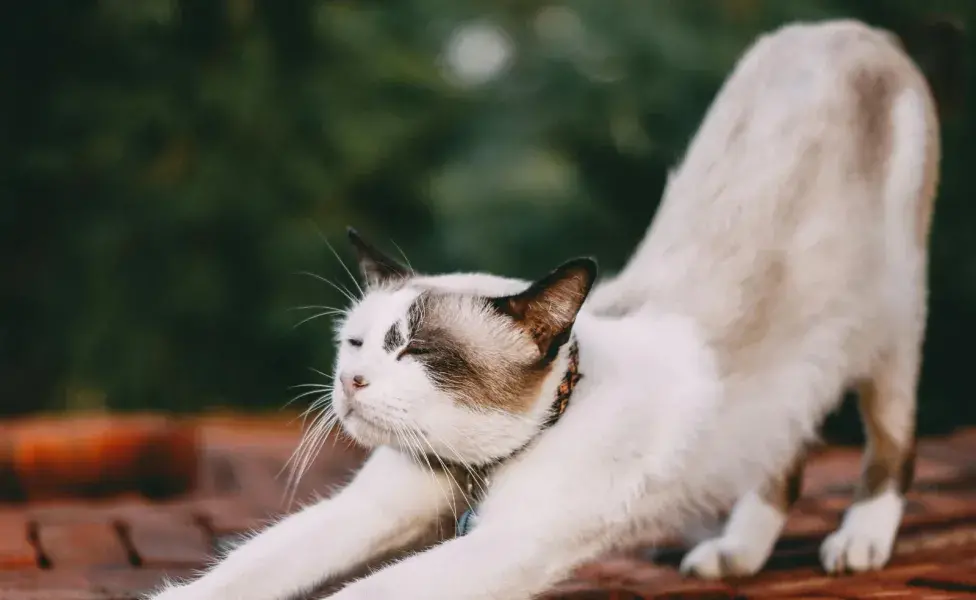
(457, 366)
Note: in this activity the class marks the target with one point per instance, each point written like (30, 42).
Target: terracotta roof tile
(114, 548)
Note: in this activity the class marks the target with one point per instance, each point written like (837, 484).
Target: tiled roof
(116, 548)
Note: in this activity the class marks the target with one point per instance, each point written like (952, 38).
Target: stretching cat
(786, 263)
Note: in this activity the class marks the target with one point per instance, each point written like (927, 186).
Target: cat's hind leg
(887, 405)
(751, 531)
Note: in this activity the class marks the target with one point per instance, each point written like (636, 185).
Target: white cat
(786, 262)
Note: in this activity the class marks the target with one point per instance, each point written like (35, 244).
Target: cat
(787, 262)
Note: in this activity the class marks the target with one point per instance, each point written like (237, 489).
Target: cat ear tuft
(547, 309)
(376, 267)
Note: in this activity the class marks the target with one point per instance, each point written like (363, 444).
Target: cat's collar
(570, 378)
(475, 480)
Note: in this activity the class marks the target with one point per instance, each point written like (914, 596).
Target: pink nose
(352, 383)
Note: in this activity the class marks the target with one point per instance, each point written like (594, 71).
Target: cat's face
(453, 365)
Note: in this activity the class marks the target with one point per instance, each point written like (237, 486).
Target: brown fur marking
(783, 491)
(885, 460)
(393, 338)
(873, 92)
(458, 366)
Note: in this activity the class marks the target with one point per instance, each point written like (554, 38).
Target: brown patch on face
(496, 352)
(873, 93)
(393, 338)
(490, 372)
(783, 491)
(885, 459)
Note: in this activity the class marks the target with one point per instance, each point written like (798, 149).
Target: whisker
(312, 318)
(454, 482)
(300, 459)
(303, 394)
(478, 481)
(338, 258)
(309, 448)
(326, 375)
(404, 255)
(449, 495)
(318, 306)
(310, 385)
(337, 287)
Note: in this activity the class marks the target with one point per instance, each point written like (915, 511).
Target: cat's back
(807, 108)
(813, 170)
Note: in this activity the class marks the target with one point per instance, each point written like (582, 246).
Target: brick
(119, 582)
(812, 597)
(956, 449)
(168, 542)
(951, 577)
(929, 471)
(104, 512)
(935, 556)
(82, 544)
(895, 591)
(639, 577)
(813, 580)
(944, 542)
(61, 595)
(585, 592)
(230, 515)
(217, 475)
(831, 506)
(832, 469)
(257, 482)
(951, 506)
(620, 571)
(805, 525)
(101, 456)
(16, 549)
(791, 586)
(65, 512)
(37, 579)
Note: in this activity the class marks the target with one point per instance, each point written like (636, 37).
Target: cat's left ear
(548, 308)
(376, 267)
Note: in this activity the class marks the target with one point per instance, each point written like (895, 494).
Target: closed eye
(413, 349)
(355, 342)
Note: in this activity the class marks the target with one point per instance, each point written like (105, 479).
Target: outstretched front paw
(724, 557)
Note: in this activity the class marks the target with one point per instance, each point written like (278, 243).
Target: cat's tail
(912, 173)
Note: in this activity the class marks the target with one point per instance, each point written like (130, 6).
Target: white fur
(400, 398)
(745, 544)
(866, 536)
(771, 278)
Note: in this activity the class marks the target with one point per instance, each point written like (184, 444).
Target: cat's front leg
(515, 553)
(483, 565)
(389, 504)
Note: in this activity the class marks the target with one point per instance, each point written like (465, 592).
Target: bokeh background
(169, 168)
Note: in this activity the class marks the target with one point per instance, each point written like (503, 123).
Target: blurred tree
(169, 165)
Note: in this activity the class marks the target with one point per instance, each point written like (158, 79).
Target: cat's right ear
(547, 309)
(376, 268)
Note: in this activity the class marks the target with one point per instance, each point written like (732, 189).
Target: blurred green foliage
(168, 166)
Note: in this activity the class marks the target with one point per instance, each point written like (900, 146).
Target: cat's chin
(366, 432)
